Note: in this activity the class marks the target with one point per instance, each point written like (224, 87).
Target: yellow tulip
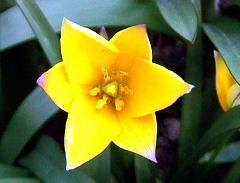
(111, 90)
(228, 90)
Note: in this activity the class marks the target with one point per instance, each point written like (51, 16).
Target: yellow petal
(55, 83)
(132, 42)
(233, 97)
(154, 88)
(224, 81)
(88, 130)
(84, 52)
(138, 135)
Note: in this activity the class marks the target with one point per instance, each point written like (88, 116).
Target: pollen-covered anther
(102, 102)
(124, 90)
(112, 90)
(119, 104)
(95, 91)
(120, 75)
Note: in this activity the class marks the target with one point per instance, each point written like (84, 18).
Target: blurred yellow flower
(111, 90)
(228, 90)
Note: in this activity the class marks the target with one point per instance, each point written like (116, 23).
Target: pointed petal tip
(68, 167)
(142, 26)
(40, 80)
(151, 155)
(154, 159)
(216, 54)
(190, 87)
(65, 20)
(70, 23)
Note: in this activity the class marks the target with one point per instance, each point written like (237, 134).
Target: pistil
(111, 89)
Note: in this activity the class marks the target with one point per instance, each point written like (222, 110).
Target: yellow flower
(111, 90)
(228, 90)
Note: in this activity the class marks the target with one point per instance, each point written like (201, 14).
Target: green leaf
(1, 95)
(227, 122)
(221, 129)
(229, 153)
(191, 113)
(233, 176)
(198, 7)
(122, 164)
(159, 181)
(47, 161)
(42, 29)
(96, 13)
(34, 111)
(181, 16)
(19, 180)
(236, 2)
(99, 168)
(143, 170)
(224, 33)
(5, 4)
(11, 171)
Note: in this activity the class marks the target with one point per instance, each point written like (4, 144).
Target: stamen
(112, 90)
(105, 74)
(101, 102)
(119, 104)
(124, 90)
(95, 91)
(121, 75)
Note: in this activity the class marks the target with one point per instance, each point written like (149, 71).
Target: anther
(124, 90)
(121, 75)
(95, 91)
(101, 102)
(119, 104)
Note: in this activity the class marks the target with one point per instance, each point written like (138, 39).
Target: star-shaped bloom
(111, 90)
(228, 90)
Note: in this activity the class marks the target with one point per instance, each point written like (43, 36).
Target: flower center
(112, 91)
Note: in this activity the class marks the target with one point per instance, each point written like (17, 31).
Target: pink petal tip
(40, 80)
(190, 87)
(151, 156)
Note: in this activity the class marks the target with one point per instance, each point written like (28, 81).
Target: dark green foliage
(209, 138)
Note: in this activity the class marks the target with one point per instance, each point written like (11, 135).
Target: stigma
(112, 91)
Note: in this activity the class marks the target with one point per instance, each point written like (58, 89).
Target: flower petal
(84, 52)
(224, 81)
(154, 88)
(88, 131)
(138, 135)
(132, 42)
(55, 83)
(233, 97)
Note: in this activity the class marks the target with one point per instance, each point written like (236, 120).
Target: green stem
(191, 110)
(42, 29)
